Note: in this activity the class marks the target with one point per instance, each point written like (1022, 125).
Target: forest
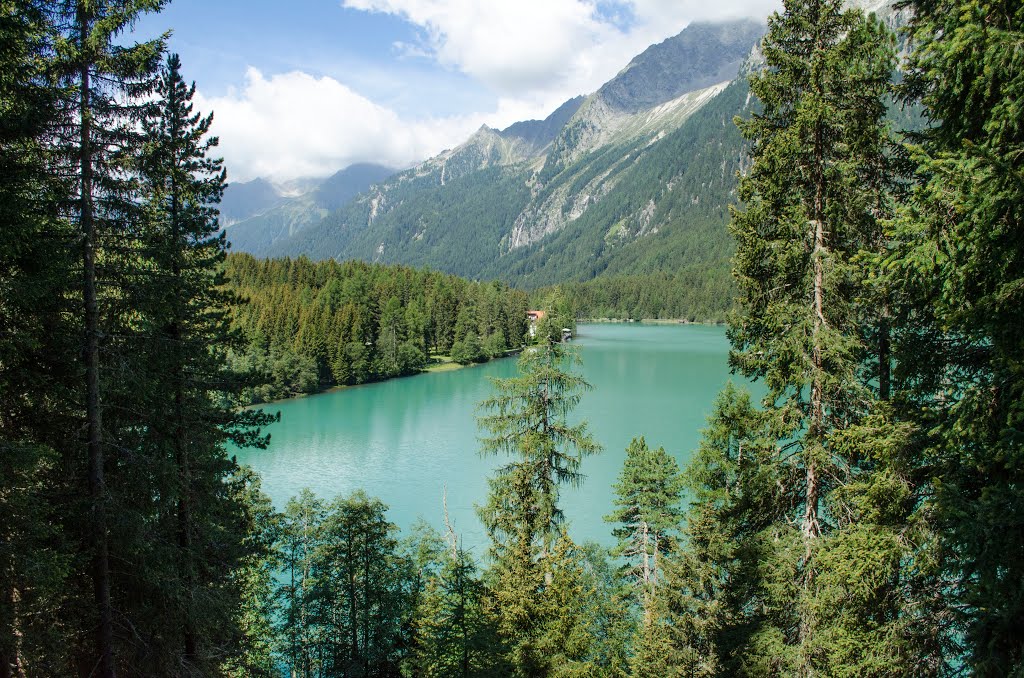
(697, 294)
(864, 518)
(312, 325)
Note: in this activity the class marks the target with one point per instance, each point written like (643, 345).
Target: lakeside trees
(532, 557)
(123, 523)
(314, 324)
(648, 497)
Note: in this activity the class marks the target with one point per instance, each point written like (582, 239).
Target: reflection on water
(406, 440)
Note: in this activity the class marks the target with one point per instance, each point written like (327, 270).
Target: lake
(407, 441)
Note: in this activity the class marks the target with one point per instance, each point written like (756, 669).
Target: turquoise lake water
(407, 440)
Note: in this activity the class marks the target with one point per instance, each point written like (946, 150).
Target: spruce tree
(457, 636)
(188, 395)
(99, 136)
(358, 589)
(648, 500)
(300, 538)
(957, 264)
(809, 210)
(722, 604)
(37, 411)
(529, 423)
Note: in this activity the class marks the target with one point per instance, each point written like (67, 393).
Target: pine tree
(253, 578)
(809, 210)
(188, 394)
(99, 136)
(957, 263)
(300, 537)
(36, 340)
(529, 423)
(723, 602)
(648, 500)
(358, 589)
(458, 637)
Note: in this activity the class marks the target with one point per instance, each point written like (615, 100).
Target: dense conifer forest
(699, 294)
(310, 325)
(863, 519)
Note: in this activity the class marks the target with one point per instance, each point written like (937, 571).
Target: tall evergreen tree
(529, 422)
(300, 538)
(648, 500)
(958, 263)
(188, 396)
(809, 209)
(729, 591)
(100, 137)
(36, 405)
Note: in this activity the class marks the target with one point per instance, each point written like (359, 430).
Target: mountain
(241, 201)
(703, 55)
(634, 178)
(263, 228)
(539, 133)
(339, 188)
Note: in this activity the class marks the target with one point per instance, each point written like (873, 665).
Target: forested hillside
(635, 179)
(696, 294)
(311, 325)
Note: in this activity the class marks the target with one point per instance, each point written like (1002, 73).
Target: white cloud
(513, 47)
(680, 12)
(549, 49)
(532, 54)
(294, 125)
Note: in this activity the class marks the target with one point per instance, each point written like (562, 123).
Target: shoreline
(650, 321)
(436, 367)
(448, 365)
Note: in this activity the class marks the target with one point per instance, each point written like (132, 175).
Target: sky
(304, 88)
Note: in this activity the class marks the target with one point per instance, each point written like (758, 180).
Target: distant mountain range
(635, 178)
(243, 200)
(259, 215)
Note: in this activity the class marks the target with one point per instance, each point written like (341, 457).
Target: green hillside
(637, 180)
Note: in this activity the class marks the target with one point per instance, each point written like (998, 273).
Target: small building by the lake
(534, 318)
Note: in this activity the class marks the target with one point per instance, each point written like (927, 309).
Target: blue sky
(307, 87)
(219, 40)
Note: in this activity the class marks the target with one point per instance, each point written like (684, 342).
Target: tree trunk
(94, 432)
(181, 451)
(815, 428)
(10, 656)
(811, 527)
(884, 353)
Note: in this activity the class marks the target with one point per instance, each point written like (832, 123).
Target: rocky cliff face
(701, 56)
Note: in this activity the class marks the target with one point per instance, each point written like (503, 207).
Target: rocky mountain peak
(703, 54)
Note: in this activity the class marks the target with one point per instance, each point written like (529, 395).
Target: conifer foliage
(648, 501)
(957, 259)
(315, 324)
(810, 208)
(528, 421)
(35, 336)
(129, 522)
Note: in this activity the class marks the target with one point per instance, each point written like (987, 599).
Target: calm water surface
(406, 440)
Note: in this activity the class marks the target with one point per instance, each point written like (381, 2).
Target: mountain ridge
(497, 204)
(289, 215)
